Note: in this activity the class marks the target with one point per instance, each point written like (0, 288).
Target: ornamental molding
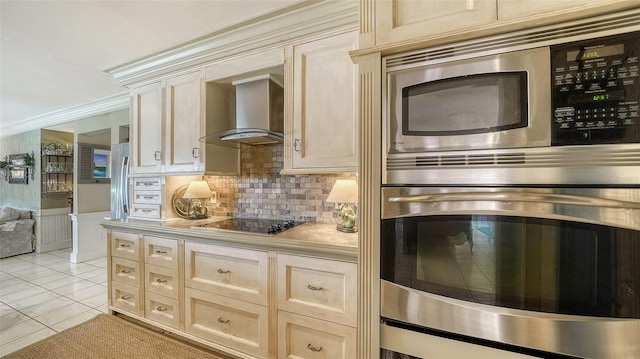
(99, 107)
(273, 30)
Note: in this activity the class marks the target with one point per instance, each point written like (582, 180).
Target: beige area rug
(107, 336)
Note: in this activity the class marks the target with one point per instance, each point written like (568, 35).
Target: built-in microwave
(491, 107)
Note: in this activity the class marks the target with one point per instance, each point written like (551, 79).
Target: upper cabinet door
(399, 20)
(510, 9)
(147, 116)
(184, 122)
(324, 122)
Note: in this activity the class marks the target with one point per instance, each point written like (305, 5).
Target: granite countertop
(307, 238)
(320, 232)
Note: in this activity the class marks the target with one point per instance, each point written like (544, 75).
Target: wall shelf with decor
(57, 174)
(18, 168)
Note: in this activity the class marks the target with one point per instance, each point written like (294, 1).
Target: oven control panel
(596, 91)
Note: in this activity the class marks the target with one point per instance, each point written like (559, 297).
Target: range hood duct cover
(259, 114)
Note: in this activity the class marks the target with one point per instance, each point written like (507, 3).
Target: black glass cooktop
(253, 225)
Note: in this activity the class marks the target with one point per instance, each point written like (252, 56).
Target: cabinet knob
(313, 349)
(297, 145)
(195, 152)
(157, 155)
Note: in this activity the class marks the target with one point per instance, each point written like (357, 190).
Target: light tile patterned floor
(43, 294)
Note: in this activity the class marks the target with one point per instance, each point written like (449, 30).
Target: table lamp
(344, 192)
(196, 191)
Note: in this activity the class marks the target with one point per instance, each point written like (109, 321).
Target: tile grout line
(69, 296)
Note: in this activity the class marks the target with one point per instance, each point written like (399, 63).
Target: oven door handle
(507, 196)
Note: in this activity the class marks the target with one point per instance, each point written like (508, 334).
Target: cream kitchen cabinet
(148, 198)
(321, 121)
(316, 307)
(163, 280)
(185, 123)
(125, 275)
(147, 119)
(400, 20)
(226, 296)
(511, 9)
(251, 302)
(169, 118)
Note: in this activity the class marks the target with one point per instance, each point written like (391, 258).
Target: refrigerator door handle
(124, 188)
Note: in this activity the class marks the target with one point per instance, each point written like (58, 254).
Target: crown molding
(99, 107)
(275, 29)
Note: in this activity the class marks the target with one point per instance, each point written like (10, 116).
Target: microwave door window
(465, 105)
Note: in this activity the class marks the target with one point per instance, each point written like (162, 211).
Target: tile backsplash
(260, 191)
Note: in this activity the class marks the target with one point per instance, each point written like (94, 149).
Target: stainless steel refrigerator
(120, 181)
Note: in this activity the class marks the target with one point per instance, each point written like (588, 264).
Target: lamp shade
(197, 189)
(344, 191)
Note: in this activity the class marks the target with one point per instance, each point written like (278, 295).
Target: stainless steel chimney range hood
(259, 114)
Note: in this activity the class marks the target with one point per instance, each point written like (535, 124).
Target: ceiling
(53, 54)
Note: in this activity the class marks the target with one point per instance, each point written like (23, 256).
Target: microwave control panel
(596, 91)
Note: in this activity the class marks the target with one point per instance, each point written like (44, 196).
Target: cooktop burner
(253, 225)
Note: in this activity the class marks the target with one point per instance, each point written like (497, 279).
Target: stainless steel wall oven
(550, 269)
(511, 195)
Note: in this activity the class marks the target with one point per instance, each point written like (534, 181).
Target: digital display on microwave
(595, 52)
(479, 103)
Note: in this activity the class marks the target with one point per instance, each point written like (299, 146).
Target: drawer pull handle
(148, 197)
(161, 309)
(222, 271)
(222, 321)
(311, 287)
(313, 349)
(148, 184)
(125, 271)
(161, 252)
(146, 210)
(159, 280)
(125, 297)
(124, 245)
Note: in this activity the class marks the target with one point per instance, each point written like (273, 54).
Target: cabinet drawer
(151, 211)
(125, 245)
(162, 309)
(320, 288)
(149, 184)
(127, 298)
(161, 280)
(125, 271)
(161, 251)
(234, 323)
(148, 197)
(233, 272)
(305, 337)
